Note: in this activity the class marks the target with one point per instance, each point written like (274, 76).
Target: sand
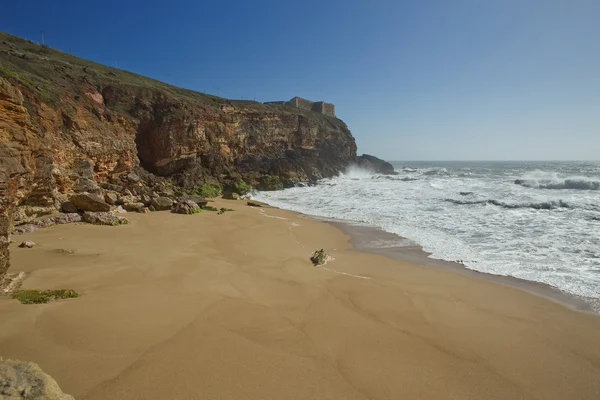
(227, 306)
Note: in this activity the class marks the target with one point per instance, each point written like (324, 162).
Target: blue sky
(414, 80)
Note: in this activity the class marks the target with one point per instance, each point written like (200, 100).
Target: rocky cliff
(68, 125)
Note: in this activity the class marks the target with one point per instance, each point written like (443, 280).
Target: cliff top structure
(315, 106)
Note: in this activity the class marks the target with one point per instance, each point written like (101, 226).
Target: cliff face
(69, 124)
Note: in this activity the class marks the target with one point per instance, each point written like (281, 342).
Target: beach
(210, 306)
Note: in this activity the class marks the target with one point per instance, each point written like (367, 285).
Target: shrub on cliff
(270, 182)
(208, 190)
(238, 187)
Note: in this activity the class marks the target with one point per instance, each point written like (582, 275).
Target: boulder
(90, 202)
(68, 207)
(104, 218)
(186, 207)
(137, 207)
(253, 203)
(146, 199)
(67, 219)
(26, 228)
(110, 198)
(201, 201)
(27, 244)
(375, 164)
(26, 380)
(162, 203)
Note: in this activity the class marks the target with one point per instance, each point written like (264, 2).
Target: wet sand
(227, 306)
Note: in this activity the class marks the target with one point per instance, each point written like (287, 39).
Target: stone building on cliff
(315, 106)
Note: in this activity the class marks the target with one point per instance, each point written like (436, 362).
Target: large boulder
(375, 164)
(90, 202)
(186, 207)
(27, 381)
(137, 207)
(162, 203)
(104, 218)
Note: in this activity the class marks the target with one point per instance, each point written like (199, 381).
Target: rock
(27, 244)
(110, 198)
(45, 222)
(27, 381)
(231, 196)
(122, 200)
(90, 202)
(133, 207)
(26, 228)
(319, 258)
(162, 203)
(119, 210)
(151, 208)
(104, 218)
(133, 177)
(186, 207)
(253, 203)
(67, 219)
(68, 207)
(375, 164)
(127, 192)
(201, 201)
(146, 199)
(144, 210)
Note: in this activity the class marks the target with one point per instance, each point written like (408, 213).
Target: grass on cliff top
(44, 296)
(44, 70)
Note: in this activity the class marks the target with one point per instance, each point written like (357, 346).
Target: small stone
(231, 196)
(27, 244)
(133, 177)
(68, 207)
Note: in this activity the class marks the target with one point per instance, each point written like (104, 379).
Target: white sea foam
(476, 213)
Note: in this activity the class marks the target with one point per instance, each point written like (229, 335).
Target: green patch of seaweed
(43, 296)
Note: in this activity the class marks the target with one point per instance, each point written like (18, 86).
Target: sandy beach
(228, 306)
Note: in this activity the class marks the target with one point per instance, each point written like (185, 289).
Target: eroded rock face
(26, 381)
(75, 127)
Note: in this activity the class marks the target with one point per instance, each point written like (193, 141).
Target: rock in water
(104, 218)
(186, 207)
(162, 203)
(375, 164)
(27, 381)
(90, 202)
(27, 244)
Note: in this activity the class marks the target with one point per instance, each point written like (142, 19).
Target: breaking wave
(551, 180)
(543, 205)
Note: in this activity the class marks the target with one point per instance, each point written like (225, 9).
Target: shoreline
(363, 237)
(229, 306)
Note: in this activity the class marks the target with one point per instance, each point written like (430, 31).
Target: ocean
(538, 221)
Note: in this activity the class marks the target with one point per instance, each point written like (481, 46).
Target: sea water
(538, 221)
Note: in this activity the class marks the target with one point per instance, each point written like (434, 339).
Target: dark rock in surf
(375, 164)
